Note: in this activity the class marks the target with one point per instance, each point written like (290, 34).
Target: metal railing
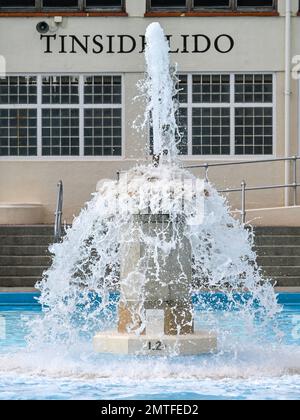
(58, 230)
(243, 188)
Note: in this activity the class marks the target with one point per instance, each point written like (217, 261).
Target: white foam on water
(80, 362)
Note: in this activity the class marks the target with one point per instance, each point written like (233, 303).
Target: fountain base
(164, 345)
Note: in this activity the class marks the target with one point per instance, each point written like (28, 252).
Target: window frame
(232, 8)
(232, 105)
(40, 7)
(81, 7)
(261, 8)
(185, 8)
(39, 106)
(103, 9)
(19, 8)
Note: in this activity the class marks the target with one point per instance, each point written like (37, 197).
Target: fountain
(155, 309)
(127, 272)
(155, 314)
(154, 264)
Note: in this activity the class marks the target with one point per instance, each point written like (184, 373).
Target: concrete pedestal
(155, 288)
(150, 345)
(155, 311)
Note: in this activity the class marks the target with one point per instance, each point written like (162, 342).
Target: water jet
(155, 313)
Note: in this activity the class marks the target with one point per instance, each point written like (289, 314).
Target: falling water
(80, 290)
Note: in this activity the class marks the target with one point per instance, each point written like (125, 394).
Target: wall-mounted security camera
(42, 27)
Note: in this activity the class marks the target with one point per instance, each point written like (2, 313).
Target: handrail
(243, 189)
(265, 187)
(243, 162)
(59, 212)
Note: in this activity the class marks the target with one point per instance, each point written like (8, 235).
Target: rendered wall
(259, 46)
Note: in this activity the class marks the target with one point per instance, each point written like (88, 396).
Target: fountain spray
(140, 251)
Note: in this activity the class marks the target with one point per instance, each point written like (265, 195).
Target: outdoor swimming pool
(250, 370)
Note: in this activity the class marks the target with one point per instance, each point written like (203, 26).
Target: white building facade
(69, 74)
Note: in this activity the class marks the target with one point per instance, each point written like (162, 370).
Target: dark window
(103, 126)
(103, 90)
(70, 116)
(62, 4)
(226, 114)
(183, 89)
(211, 131)
(253, 131)
(58, 4)
(222, 4)
(255, 3)
(109, 4)
(168, 4)
(211, 88)
(60, 90)
(103, 132)
(254, 88)
(17, 3)
(18, 90)
(190, 5)
(18, 132)
(60, 132)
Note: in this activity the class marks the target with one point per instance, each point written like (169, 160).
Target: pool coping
(18, 290)
(29, 297)
(287, 289)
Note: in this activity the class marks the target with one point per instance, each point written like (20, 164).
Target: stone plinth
(151, 345)
(160, 282)
(155, 313)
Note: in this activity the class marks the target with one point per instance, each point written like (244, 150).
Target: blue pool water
(249, 370)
